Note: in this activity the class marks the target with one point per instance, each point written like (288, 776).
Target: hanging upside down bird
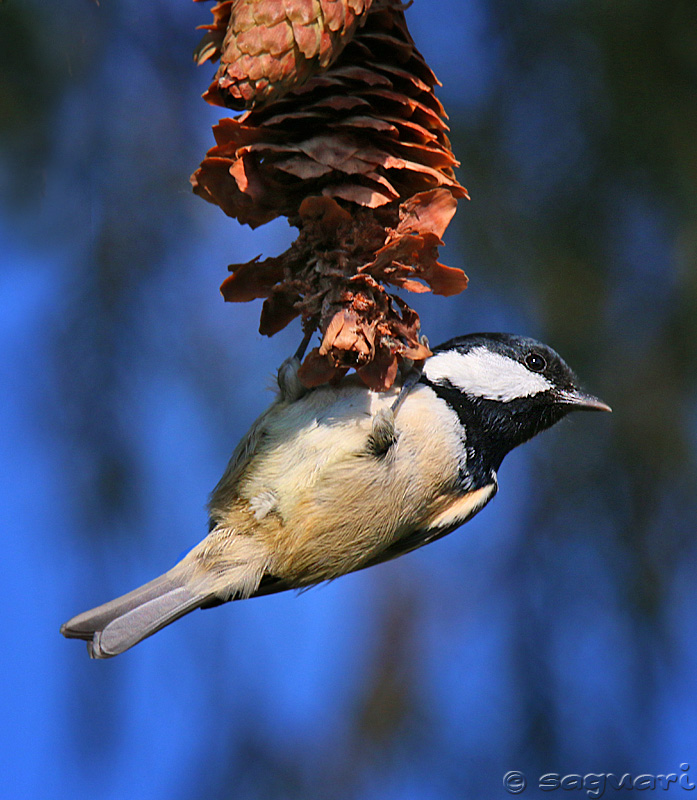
(339, 478)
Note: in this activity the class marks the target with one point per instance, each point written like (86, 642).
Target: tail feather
(118, 625)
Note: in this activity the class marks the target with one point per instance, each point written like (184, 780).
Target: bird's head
(505, 388)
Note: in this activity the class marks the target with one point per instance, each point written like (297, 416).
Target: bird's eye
(535, 362)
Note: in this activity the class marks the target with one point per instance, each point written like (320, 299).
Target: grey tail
(118, 625)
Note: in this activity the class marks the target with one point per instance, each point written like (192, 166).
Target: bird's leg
(384, 433)
(289, 384)
(300, 352)
(410, 380)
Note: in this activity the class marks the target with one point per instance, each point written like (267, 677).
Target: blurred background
(556, 632)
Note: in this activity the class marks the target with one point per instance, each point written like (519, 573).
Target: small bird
(339, 478)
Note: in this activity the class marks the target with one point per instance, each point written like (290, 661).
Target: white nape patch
(482, 373)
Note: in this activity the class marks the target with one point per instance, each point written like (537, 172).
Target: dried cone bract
(342, 134)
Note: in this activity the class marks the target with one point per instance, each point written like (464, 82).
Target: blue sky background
(556, 632)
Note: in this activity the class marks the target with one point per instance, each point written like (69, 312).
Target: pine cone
(347, 139)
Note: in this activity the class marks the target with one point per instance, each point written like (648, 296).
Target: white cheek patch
(482, 373)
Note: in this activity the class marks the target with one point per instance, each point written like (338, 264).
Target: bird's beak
(582, 401)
